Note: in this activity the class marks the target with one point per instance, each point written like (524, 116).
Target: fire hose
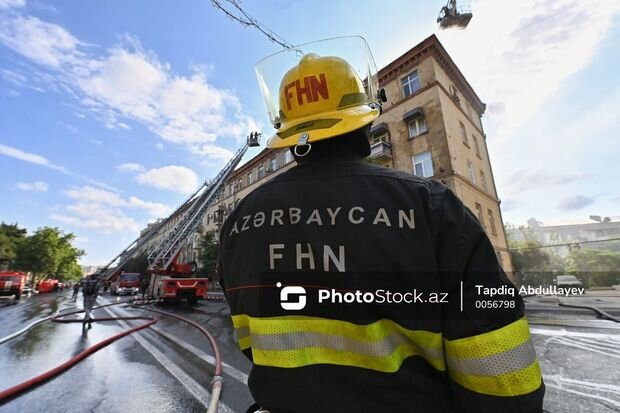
(216, 384)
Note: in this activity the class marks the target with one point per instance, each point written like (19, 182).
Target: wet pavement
(169, 367)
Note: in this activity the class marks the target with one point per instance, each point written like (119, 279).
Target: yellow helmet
(319, 98)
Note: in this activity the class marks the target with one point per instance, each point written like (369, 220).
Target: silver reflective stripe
(505, 362)
(302, 340)
(243, 332)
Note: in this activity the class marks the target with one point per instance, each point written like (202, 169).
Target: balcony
(381, 151)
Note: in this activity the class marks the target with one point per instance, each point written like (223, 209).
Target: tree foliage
(532, 264)
(10, 236)
(138, 264)
(596, 268)
(208, 254)
(49, 252)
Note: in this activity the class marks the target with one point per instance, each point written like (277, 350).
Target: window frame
(491, 217)
(419, 130)
(407, 81)
(471, 172)
(480, 214)
(422, 163)
(464, 134)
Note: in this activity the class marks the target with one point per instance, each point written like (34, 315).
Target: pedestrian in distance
(335, 224)
(90, 290)
(76, 289)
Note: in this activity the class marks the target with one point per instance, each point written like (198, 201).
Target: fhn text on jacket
(336, 225)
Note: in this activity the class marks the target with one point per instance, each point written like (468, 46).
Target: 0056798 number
(495, 304)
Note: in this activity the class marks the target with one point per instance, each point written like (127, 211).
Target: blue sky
(113, 111)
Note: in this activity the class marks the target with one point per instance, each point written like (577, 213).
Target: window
(483, 182)
(250, 178)
(492, 222)
(239, 184)
(381, 137)
(476, 146)
(470, 172)
(410, 83)
(479, 213)
(464, 134)
(417, 126)
(288, 156)
(230, 189)
(261, 171)
(273, 164)
(423, 165)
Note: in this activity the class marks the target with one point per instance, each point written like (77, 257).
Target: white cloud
(527, 179)
(9, 4)
(33, 186)
(130, 167)
(129, 82)
(155, 209)
(526, 51)
(97, 217)
(88, 194)
(43, 42)
(575, 202)
(27, 157)
(159, 146)
(172, 177)
(15, 78)
(105, 211)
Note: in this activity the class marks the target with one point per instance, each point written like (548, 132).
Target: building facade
(430, 126)
(591, 234)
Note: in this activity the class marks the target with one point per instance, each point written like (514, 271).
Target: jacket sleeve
(490, 358)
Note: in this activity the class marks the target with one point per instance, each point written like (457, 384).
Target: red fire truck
(126, 283)
(12, 283)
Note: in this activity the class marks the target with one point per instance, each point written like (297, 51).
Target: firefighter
(76, 289)
(304, 259)
(90, 290)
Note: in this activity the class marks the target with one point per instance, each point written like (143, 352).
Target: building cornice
(431, 46)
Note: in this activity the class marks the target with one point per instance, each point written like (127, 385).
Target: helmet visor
(271, 70)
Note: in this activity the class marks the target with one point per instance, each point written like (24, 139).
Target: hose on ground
(216, 383)
(14, 391)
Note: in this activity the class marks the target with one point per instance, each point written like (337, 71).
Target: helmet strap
(302, 142)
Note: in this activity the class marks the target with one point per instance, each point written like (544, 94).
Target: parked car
(567, 280)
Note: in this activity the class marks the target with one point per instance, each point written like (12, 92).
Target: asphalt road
(169, 367)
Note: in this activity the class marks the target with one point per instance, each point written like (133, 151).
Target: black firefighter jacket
(358, 288)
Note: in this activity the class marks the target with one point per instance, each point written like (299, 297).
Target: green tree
(138, 264)
(208, 254)
(532, 263)
(596, 268)
(48, 252)
(10, 236)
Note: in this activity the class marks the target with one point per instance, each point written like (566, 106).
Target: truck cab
(126, 283)
(12, 283)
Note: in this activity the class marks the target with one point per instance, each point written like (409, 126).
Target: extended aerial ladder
(116, 264)
(170, 279)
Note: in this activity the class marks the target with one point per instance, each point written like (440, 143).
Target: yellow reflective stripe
(500, 363)
(486, 344)
(516, 383)
(294, 341)
(320, 355)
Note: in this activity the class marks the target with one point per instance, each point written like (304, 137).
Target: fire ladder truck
(170, 279)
